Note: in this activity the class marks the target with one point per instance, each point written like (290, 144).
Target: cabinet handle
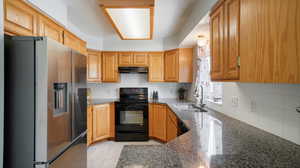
(238, 61)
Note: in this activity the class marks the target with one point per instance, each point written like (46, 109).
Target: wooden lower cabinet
(172, 125)
(101, 122)
(158, 121)
(89, 125)
(163, 123)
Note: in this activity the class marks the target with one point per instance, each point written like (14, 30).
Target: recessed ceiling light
(134, 23)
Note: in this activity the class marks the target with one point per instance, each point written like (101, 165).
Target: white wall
(1, 82)
(271, 107)
(171, 43)
(111, 90)
(199, 10)
(57, 9)
(92, 42)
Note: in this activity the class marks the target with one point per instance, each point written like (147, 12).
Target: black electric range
(132, 115)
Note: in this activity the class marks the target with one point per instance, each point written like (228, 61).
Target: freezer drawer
(74, 157)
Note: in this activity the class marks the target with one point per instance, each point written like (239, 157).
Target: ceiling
(201, 29)
(169, 15)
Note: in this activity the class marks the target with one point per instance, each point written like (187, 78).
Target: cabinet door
(217, 36)
(112, 124)
(158, 121)
(89, 125)
(172, 125)
(156, 67)
(231, 42)
(19, 18)
(140, 59)
(185, 65)
(74, 42)
(101, 122)
(125, 59)
(269, 44)
(70, 40)
(171, 66)
(94, 66)
(50, 29)
(110, 67)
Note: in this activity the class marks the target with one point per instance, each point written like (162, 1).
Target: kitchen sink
(189, 108)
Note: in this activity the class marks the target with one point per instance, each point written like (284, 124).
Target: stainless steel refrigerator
(45, 104)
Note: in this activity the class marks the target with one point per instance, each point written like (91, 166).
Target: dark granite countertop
(101, 101)
(217, 141)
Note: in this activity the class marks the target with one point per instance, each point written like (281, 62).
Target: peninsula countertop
(218, 141)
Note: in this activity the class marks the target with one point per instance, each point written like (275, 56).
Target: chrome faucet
(201, 104)
(202, 97)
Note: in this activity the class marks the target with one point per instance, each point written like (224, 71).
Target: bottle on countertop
(155, 95)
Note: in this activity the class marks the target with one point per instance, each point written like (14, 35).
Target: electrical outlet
(235, 101)
(253, 107)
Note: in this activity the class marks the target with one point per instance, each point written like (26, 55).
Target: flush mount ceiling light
(131, 23)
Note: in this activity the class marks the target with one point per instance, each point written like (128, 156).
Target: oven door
(131, 121)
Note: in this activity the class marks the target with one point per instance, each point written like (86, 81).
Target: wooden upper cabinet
(156, 67)
(74, 42)
(270, 38)
(232, 39)
(133, 59)
(158, 121)
(217, 43)
(179, 65)
(171, 66)
(101, 122)
(19, 18)
(110, 67)
(263, 35)
(140, 59)
(125, 59)
(50, 29)
(94, 66)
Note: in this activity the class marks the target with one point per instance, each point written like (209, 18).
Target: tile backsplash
(111, 90)
(271, 107)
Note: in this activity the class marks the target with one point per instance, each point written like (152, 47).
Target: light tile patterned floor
(106, 154)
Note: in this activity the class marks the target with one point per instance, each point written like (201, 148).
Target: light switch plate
(235, 101)
(253, 107)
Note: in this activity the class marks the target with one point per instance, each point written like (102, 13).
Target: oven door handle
(132, 107)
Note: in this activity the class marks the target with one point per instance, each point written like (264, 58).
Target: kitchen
(150, 83)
